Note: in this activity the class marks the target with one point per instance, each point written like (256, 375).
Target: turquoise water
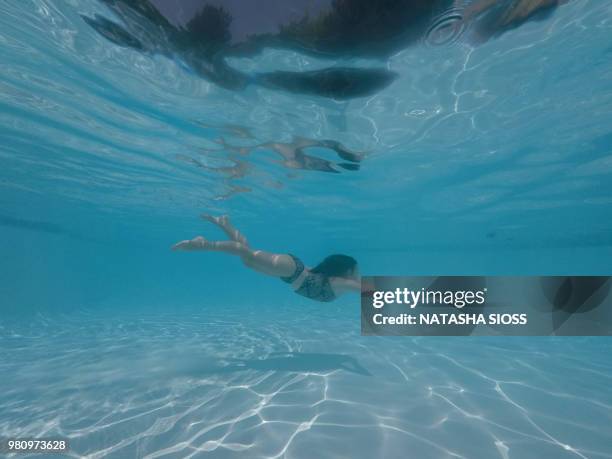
(491, 159)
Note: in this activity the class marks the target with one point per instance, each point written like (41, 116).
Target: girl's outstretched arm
(342, 285)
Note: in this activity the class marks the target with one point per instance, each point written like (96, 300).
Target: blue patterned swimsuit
(316, 286)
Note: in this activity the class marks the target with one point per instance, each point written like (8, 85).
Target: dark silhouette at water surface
(203, 34)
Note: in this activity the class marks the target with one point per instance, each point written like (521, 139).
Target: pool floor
(273, 383)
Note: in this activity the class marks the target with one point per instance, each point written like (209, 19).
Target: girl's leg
(264, 262)
(229, 229)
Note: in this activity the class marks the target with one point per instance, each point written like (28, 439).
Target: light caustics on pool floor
(269, 384)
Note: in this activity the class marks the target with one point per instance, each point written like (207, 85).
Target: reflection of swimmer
(238, 169)
(294, 154)
(335, 275)
(202, 34)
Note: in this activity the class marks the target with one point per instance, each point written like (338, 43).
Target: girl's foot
(197, 243)
(223, 222)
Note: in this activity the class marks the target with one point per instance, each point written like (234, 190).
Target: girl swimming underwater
(335, 275)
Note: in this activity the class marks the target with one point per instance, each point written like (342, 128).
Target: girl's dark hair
(336, 266)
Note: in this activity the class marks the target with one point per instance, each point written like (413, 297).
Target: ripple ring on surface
(445, 29)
